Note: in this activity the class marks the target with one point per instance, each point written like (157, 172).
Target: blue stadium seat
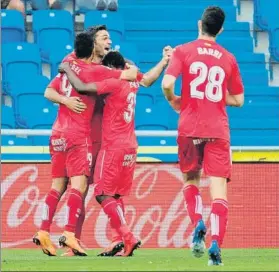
(37, 86)
(42, 114)
(20, 61)
(8, 117)
(129, 51)
(55, 58)
(255, 137)
(163, 107)
(259, 114)
(156, 45)
(249, 61)
(262, 91)
(148, 117)
(53, 31)
(265, 16)
(205, 3)
(18, 88)
(179, 30)
(255, 78)
(274, 48)
(113, 21)
(157, 141)
(174, 13)
(10, 140)
(12, 26)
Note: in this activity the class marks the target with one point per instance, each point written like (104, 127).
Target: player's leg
(95, 150)
(42, 238)
(110, 180)
(116, 244)
(79, 163)
(125, 182)
(69, 252)
(217, 166)
(58, 187)
(74, 207)
(190, 152)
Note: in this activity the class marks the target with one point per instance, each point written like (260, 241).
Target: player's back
(207, 69)
(118, 117)
(68, 120)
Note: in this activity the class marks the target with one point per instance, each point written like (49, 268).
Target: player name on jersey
(209, 51)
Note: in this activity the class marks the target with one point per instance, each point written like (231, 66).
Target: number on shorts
(129, 112)
(215, 77)
(89, 158)
(66, 86)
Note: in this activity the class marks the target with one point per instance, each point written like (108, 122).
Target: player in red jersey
(210, 81)
(102, 44)
(71, 145)
(116, 160)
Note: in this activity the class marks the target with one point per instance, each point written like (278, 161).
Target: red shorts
(114, 172)
(70, 155)
(213, 155)
(96, 146)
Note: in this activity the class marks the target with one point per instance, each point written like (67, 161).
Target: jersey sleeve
(235, 85)
(139, 76)
(108, 86)
(55, 83)
(106, 72)
(176, 63)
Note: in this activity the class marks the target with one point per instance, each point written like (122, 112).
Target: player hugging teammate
(76, 140)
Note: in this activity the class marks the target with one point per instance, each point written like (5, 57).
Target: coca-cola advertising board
(155, 210)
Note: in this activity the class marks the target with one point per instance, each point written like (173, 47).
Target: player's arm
(153, 74)
(52, 93)
(235, 94)
(129, 74)
(75, 81)
(173, 71)
(104, 87)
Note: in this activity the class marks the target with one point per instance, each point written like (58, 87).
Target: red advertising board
(155, 210)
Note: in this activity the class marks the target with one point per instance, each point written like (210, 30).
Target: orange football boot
(42, 239)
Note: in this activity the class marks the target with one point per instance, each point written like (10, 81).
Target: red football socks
(115, 237)
(50, 206)
(80, 222)
(74, 205)
(116, 216)
(219, 219)
(194, 203)
(120, 202)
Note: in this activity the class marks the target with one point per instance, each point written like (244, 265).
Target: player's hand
(63, 67)
(75, 104)
(131, 72)
(176, 103)
(167, 53)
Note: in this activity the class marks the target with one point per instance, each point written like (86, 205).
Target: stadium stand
(112, 20)
(12, 26)
(20, 61)
(256, 124)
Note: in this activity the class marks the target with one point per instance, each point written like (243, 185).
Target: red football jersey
(100, 73)
(67, 120)
(118, 130)
(208, 71)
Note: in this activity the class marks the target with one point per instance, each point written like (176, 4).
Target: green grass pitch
(143, 260)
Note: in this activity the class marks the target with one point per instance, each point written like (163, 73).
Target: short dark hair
(114, 59)
(212, 20)
(94, 29)
(83, 45)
